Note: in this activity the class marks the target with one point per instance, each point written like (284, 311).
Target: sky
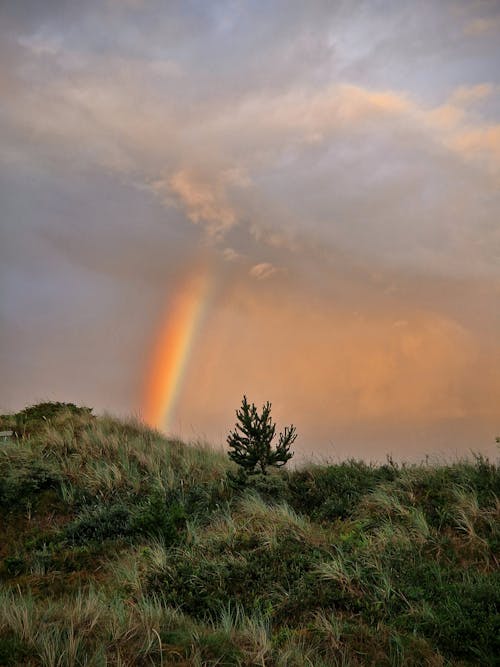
(295, 201)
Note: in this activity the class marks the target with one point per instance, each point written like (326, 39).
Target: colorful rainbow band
(174, 345)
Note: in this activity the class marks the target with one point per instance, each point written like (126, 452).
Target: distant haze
(330, 169)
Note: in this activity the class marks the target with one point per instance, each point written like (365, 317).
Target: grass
(120, 547)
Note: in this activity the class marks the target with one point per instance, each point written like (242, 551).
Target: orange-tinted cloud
(482, 25)
(358, 152)
(465, 95)
(481, 144)
(325, 366)
(204, 198)
(263, 270)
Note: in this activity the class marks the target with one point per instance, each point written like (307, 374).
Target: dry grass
(104, 457)
(380, 575)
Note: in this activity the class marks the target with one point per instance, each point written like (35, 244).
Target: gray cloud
(356, 146)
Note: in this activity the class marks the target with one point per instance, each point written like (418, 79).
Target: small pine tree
(251, 441)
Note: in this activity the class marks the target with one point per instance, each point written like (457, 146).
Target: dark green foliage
(467, 622)
(434, 491)
(75, 558)
(215, 647)
(250, 574)
(465, 610)
(334, 491)
(24, 486)
(150, 518)
(156, 518)
(100, 523)
(273, 487)
(30, 419)
(12, 566)
(270, 486)
(402, 560)
(312, 594)
(462, 612)
(250, 444)
(7, 422)
(13, 652)
(201, 500)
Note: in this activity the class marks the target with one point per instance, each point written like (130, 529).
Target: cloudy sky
(333, 170)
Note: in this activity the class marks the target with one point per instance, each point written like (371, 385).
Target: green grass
(120, 547)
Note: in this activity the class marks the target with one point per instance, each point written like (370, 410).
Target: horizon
(299, 203)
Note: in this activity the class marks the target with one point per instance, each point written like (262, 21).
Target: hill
(121, 547)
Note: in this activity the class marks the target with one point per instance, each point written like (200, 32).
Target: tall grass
(121, 547)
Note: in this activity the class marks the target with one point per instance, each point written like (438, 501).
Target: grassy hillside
(119, 547)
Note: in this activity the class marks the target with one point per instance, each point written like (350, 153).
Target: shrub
(149, 518)
(100, 523)
(29, 420)
(23, 486)
(331, 492)
(13, 652)
(155, 518)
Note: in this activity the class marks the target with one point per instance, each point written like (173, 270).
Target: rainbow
(174, 344)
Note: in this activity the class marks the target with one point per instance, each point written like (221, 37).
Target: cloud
(315, 356)
(41, 45)
(465, 95)
(284, 163)
(480, 144)
(263, 271)
(204, 198)
(322, 138)
(165, 68)
(482, 25)
(230, 255)
(297, 165)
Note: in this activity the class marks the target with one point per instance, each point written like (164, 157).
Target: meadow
(121, 547)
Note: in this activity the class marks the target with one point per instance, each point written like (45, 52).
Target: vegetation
(119, 547)
(250, 444)
(31, 418)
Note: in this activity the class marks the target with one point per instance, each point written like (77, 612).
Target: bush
(272, 487)
(13, 651)
(149, 518)
(249, 573)
(334, 492)
(155, 518)
(32, 418)
(464, 618)
(100, 523)
(23, 486)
